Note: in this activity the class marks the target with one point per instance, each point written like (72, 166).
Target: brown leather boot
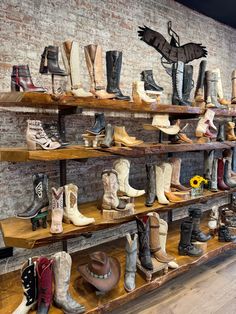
(175, 183)
(230, 131)
(93, 56)
(167, 169)
(233, 98)
(155, 246)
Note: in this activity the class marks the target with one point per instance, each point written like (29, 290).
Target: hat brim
(107, 284)
(171, 130)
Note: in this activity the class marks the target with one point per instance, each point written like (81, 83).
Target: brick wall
(27, 26)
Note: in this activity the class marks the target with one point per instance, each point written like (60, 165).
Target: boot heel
(15, 87)
(66, 220)
(31, 145)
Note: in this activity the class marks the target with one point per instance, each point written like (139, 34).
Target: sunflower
(196, 181)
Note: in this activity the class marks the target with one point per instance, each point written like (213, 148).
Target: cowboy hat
(162, 123)
(102, 271)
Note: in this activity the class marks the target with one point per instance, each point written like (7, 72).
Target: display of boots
(40, 202)
(175, 177)
(150, 85)
(49, 62)
(214, 176)
(99, 124)
(233, 78)
(71, 59)
(113, 63)
(21, 79)
(167, 173)
(36, 136)
(224, 234)
(220, 176)
(160, 193)
(62, 272)
(130, 262)
(144, 252)
(108, 139)
(57, 210)
(221, 133)
(199, 92)
(230, 131)
(227, 175)
(219, 86)
(204, 125)
(211, 90)
(52, 131)
(151, 185)
(139, 94)
(44, 273)
(178, 84)
(185, 246)
(122, 138)
(197, 234)
(93, 56)
(71, 212)
(122, 167)
(30, 287)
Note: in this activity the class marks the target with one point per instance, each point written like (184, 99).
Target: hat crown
(161, 120)
(99, 263)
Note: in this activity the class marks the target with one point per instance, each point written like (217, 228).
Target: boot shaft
(29, 281)
(113, 64)
(40, 183)
(44, 272)
(57, 198)
(154, 233)
(71, 196)
(149, 83)
(201, 76)
(151, 179)
(111, 186)
(221, 133)
(131, 253)
(143, 226)
(233, 78)
(62, 271)
(176, 167)
(93, 56)
(20, 71)
(186, 233)
(187, 81)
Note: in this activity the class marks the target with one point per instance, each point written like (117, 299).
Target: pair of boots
(160, 180)
(205, 124)
(37, 277)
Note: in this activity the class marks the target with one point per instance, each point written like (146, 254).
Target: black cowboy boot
(49, 62)
(144, 246)
(224, 235)
(188, 83)
(99, 124)
(199, 92)
(151, 185)
(221, 133)
(108, 139)
(53, 133)
(177, 82)
(113, 62)
(185, 246)
(41, 201)
(149, 83)
(197, 234)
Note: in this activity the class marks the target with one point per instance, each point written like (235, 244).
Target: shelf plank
(18, 233)
(11, 290)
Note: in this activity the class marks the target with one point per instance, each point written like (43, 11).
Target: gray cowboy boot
(62, 297)
(131, 261)
(213, 182)
(208, 162)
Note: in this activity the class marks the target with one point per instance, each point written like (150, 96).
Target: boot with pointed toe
(175, 177)
(197, 234)
(204, 125)
(227, 175)
(185, 246)
(130, 262)
(160, 193)
(99, 124)
(150, 85)
(220, 176)
(151, 185)
(57, 210)
(108, 139)
(167, 173)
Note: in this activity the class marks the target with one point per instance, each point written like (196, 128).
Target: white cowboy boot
(167, 173)
(122, 166)
(130, 262)
(57, 210)
(71, 211)
(204, 123)
(160, 186)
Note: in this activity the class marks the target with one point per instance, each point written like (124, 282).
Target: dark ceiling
(223, 11)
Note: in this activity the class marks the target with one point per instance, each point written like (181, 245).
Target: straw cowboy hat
(102, 271)
(161, 122)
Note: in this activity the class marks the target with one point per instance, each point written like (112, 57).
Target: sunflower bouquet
(197, 183)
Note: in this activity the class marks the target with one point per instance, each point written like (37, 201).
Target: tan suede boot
(230, 131)
(220, 94)
(167, 172)
(233, 99)
(175, 183)
(139, 95)
(122, 138)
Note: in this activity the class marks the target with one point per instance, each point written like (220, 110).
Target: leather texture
(208, 161)
(227, 174)
(213, 181)
(139, 94)
(130, 262)
(224, 235)
(108, 139)
(197, 234)
(220, 176)
(211, 90)
(230, 131)
(49, 62)
(99, 124)
(185, 246)
(177, 84)
(121, 137)
(167, 173)
(151, 185)
(53, 133)
(160, 193)
(221, 133)
(57, 210)
(199, 92)
(187, 83)
(233, 79)
(149, 82)
(175, 176)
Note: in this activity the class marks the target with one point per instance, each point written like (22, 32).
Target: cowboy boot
(130, 262)
(221, 133)
(62, 272)
(155, 246)
(49, 62)
(40, 202)
(227, 153)
(220, 93)
(151, 185)
(197, 234)
(220, 176)
(122, 138)
(99, 124)
(233, 77)
(29, 284)
(139, 94)
(208, 162)
(93, 56)
(122, 166)
(167, 173)
(150, 85)
(176, 168)
(71, 59)
(224, 235)
(185, 246)
(211, 90)
(177, 84)
(113, 63)
(230, 131)
(213, 181)
(71, 212)
(227, 175)
(108, 139)
(57, 210)
(143, 239)
(204, 124)
(160, 193)
(187, 83)
(199, 92)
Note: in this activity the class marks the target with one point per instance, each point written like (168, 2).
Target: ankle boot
(93, 56)
(227, 175)
(167, 172)
(30, 287)
(113, 63)
(21, 79)
(177, 83)
(49, 62)
(139, 94)
(197, 234)
(199, 92)
(44, 272)
(211, 90)
(220, 176)
(187, 83)
(213, 181)
(57, 210)
(130, 262)
(144, 242)
(36, 136)
(185, 246)
(108, 139)
(121, 138)
(204, 124)
(122, 166)
(221, 133)
(71, 59)
(151, 185)
(233, 78)
(52, 131)
(224, 235)
(62, 272)
(219, 86)
(176, 168)
(150, 85)
(155, 246)
(230, 131)
(40, 202)
(99, 124)
(160, 193)
(71, 211)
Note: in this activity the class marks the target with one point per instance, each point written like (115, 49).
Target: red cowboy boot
(220, 175)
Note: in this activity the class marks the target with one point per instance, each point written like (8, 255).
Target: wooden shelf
(11, 290)
(18, 233)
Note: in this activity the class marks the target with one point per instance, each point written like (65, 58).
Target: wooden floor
(208, 289)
